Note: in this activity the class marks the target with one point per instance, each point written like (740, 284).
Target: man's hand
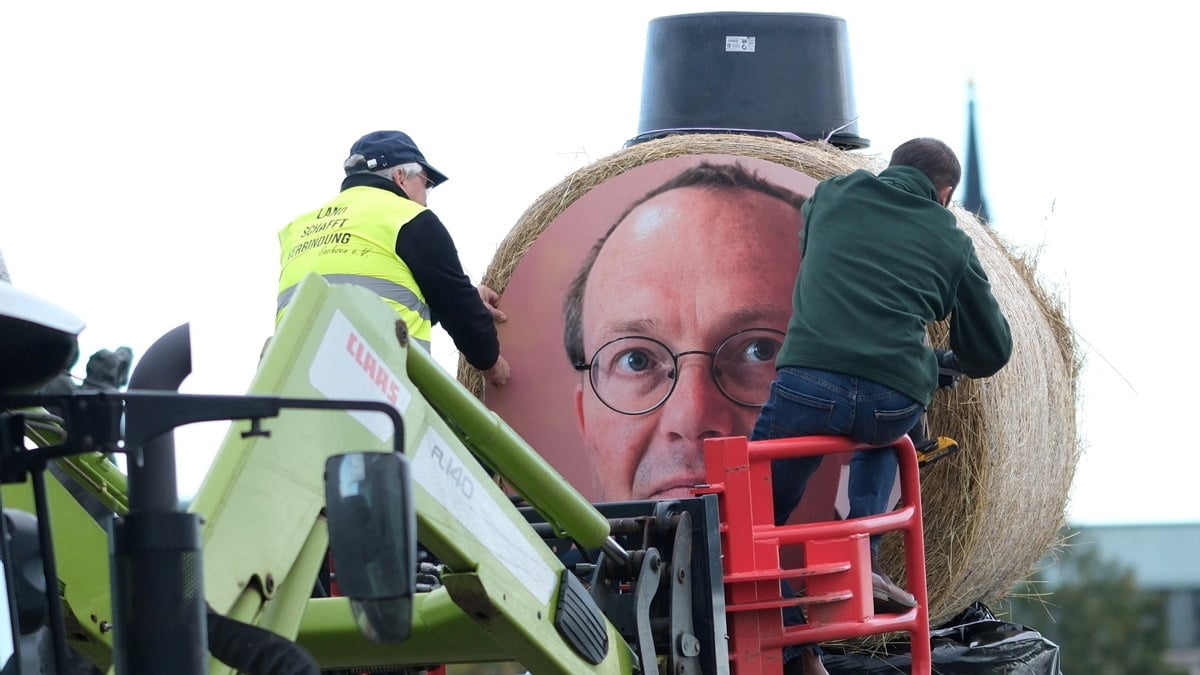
(490, 299)
(949, 372)
(497, 375)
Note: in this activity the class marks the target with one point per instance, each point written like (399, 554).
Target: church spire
(972, 198)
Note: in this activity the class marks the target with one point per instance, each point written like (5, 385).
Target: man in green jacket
(882, 257)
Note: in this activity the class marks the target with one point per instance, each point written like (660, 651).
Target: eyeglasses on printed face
(635, 375)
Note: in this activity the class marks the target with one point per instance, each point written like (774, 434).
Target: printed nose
(697, 409)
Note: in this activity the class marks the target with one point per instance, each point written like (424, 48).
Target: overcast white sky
(150, 152)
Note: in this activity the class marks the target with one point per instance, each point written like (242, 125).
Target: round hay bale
(992, 509)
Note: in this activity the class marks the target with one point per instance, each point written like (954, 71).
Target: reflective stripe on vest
(398, 294)
(387, 290)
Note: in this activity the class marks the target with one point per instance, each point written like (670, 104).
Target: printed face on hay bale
(647, 316)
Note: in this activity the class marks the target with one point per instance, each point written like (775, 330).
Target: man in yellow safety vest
(378, 233)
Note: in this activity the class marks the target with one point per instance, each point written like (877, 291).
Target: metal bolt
(689, 645)
(105, 626)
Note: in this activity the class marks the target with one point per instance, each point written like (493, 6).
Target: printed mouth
(681, 489)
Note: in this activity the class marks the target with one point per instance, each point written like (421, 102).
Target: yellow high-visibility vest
(352, 240)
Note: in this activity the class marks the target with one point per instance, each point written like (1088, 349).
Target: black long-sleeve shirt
(425, 245)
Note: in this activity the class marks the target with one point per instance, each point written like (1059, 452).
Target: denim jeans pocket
(798, 413)
(891, 424)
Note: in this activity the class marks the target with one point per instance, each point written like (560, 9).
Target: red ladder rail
(836, 575)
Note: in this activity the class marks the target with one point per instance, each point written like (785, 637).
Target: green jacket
(881, 260)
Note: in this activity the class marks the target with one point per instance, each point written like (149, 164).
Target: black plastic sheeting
(973, 642)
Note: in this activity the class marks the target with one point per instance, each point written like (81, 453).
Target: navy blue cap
(381, 149)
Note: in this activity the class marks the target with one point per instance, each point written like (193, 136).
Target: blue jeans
(810, 402)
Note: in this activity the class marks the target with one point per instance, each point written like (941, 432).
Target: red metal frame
(837, 563)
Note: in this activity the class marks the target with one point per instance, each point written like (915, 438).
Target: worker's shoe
(889, 597)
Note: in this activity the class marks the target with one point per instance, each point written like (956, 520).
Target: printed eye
(633, 356)
(752, 347)
(762, 349)
(634, 360)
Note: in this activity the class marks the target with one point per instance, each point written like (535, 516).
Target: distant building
(1164, 559)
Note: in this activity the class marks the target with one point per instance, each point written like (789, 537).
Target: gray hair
(410, 169)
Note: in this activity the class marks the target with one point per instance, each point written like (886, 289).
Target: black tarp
(971, 643)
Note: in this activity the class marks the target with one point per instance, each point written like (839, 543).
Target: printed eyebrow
(753, 316)
(630, 327)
